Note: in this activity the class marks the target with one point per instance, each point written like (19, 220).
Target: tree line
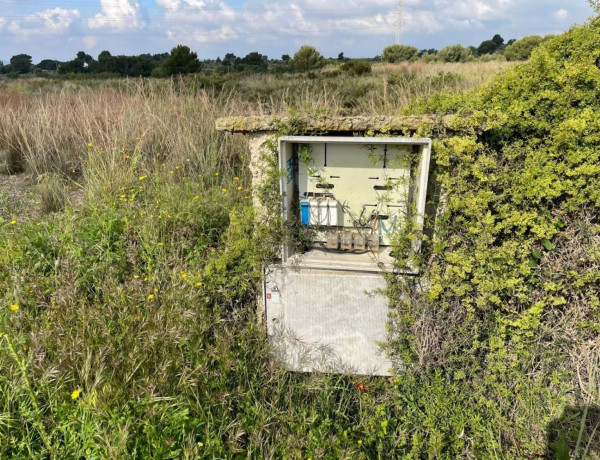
(182, 60)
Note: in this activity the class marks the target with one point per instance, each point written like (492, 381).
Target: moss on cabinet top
(322, 124)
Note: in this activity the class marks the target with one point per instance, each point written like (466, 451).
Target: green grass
(135, 262)
(143, 299)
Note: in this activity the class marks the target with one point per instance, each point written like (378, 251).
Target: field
(129, 269)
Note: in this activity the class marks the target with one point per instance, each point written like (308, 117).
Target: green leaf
(560, 224)
(548, 245)
(537, 254)
(533, 263)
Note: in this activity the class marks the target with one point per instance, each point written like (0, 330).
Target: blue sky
(359, 28)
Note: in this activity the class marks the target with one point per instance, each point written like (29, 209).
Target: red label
(269, 296)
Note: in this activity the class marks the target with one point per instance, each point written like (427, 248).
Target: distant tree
(498, 40)
(106, 62)
(454, 53)
(399, 53)
(487, 47)
(341, 57)
(182, 61)
(80, 64)
(104, 55)
(521, 49)
(254, 61)
(48, 64)
(511, 41)
(430, 51)
(21, 63)
(85, 58)
(595, 4)
(286, 58)
(307, 58)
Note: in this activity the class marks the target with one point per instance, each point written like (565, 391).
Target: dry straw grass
(100, 131)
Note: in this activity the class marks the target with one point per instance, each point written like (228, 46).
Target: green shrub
(454, 53)
(357, 67)
(399, 53)
(521, 49)
(511, 305)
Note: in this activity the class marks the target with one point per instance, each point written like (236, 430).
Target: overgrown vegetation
(128, 321)
(508, 308)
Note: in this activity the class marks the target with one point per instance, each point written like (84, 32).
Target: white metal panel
(328, 321)
(353, 170)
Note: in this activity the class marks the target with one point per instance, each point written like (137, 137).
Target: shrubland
(128, 317)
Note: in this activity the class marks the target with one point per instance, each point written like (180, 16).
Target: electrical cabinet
(352, 194)
(347, 197)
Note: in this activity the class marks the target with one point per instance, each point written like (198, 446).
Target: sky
(58, 29)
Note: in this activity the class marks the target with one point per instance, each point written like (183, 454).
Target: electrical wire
(207, 33)
(192, 7)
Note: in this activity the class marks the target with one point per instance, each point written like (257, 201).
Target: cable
(208, 33)
(188, 8)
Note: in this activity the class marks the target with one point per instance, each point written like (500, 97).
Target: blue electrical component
(305, 212)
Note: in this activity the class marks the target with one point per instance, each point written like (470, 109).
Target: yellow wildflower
(1, 335)
(236, 178)
(176, 167)
(240, 187)
(216, 174)
(151, 296)
(224, 190)
(196, 197)
(90, 144)
(198, 284)
(76, 394)
(155, 290)
(161, 244)
(143, 177)
(13, 222)
(359, 442)
(14, 308)
(184, 275)
(136, 277)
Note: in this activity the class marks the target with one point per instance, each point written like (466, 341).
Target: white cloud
(560, 14)
(90, 42)
(2, 23)
(212, 21)
(118, 15)
(54, 21)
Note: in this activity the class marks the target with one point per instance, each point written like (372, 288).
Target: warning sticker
(273, 296)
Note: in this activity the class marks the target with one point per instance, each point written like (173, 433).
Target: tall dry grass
(66, 130)
(99, 132)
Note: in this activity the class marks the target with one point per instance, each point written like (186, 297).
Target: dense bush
(399, 53)
(510, 311)
(521, 49)
(357, 67)
(454, 53)
(307, 58)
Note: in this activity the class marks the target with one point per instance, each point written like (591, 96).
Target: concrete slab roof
(377, 123)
